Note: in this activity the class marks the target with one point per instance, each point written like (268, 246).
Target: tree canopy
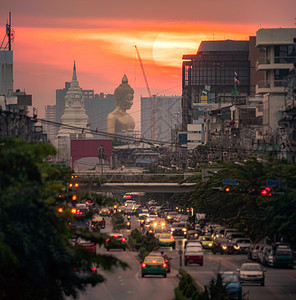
(37, 259)
(243, 206)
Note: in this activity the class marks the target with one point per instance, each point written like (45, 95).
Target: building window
(284, 54)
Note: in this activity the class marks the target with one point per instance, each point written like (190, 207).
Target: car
(206, 241)
(167, 260)
(115, 241)
(193, 235)
(105, 212)
(154, 265)
(220, 245)
(239, 246)
(84, 244)
(252, 272)
(232, 283)
(170, 217)
(166, 240)
(193, 253)
(179, 229)
(264, 255)
(283, 255)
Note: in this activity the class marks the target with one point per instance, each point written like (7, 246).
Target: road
(128, 284)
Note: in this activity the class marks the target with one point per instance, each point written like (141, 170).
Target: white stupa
(74, 114)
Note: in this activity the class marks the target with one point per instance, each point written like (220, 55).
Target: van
(193, 253)
(282, 256)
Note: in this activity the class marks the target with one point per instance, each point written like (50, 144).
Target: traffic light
(74, 197)
(227, 189)
(266, 191)
(60, 209)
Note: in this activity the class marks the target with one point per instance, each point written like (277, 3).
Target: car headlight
(236, 247)
(224, 247)
(210, 244)
(184, 229)
(173, 229)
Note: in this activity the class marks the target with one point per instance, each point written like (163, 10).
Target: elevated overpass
(138, 187)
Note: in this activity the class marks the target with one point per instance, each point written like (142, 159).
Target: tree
(243, 207)
(37, 259)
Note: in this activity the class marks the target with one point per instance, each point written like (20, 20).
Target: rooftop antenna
(9, 34)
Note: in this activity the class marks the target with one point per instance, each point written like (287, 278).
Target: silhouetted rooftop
(227, 45)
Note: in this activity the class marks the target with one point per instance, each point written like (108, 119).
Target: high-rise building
(50, 128)
(278, 46)
(167, 116)
(208, 75)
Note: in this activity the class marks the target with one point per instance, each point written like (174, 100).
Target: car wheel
(201, 264)
(164, 275)
(124, 249)
(143, 275)
(185, 263)
(174, 247)
(108, 249)
(262, 283)
(214, 252)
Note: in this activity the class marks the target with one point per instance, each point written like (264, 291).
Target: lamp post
(101, 157)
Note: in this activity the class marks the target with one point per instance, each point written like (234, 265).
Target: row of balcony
(271, 86)
(277, 62)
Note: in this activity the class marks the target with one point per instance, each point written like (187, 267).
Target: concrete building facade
(168, 114)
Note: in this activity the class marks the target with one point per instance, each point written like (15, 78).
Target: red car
(83, 244)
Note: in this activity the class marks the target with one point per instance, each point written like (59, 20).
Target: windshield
(229, 278)
(164, 236)
(284, 252)
(154, 260)
(251, 268)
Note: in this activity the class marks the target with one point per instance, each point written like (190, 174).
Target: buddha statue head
(124, 94)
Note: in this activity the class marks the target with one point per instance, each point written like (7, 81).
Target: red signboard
(90, 148)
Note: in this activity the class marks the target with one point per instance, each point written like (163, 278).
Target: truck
(193, 253)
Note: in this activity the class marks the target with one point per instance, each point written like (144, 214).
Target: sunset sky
(100, 36)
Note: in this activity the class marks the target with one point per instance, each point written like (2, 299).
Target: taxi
(154, 265)
(166, 240)
(206, 241)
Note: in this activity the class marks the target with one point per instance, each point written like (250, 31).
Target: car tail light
(124, 239)
(109, 212)
(100, 212)
(166, 260)
(164, 265)
(93, 269)
(75, 269)
(116, 235)
(144, 265)
(69, 223)
(172, 237)
(108, 239)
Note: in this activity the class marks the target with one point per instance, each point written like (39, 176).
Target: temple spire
(74, 77)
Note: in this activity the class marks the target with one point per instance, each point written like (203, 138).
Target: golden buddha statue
(119, 121)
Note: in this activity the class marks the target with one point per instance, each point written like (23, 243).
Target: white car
(251, 272)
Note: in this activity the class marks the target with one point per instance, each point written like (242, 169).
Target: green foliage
(118, 221)
(37, 260)
(256, 215)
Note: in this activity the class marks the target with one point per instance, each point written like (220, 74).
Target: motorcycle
(142, 223)
(128, 225)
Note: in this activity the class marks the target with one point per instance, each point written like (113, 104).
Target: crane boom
(153, 121)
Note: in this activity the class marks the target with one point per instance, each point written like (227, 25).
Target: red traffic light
(266, 192)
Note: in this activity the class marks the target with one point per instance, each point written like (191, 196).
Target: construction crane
(153, 119)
